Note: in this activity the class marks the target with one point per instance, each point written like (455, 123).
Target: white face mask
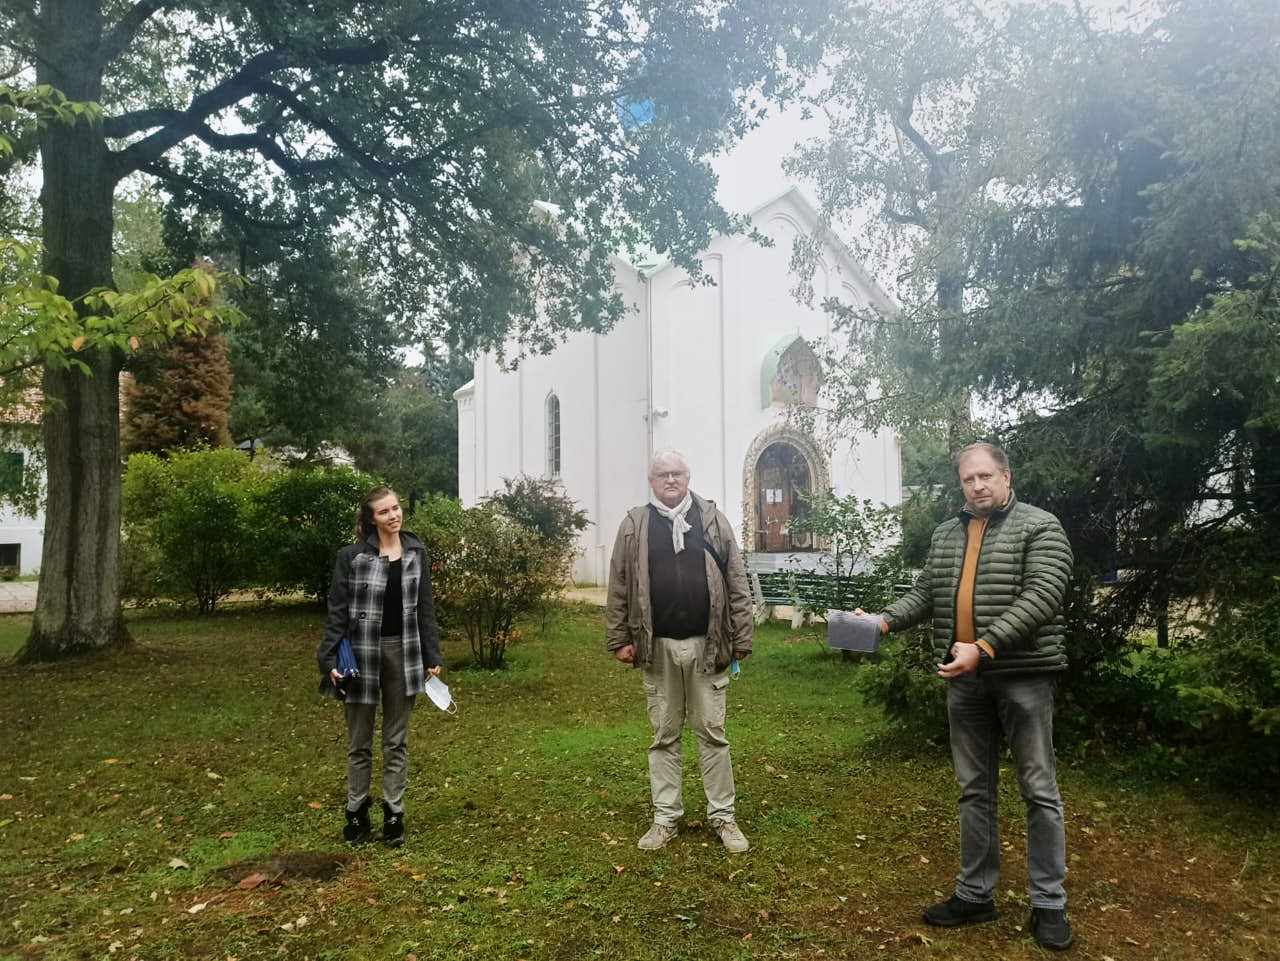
(438, 691)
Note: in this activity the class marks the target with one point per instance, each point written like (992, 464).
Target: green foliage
(301, 516)
(541, 505)
(1088, 223)
(901, 678)
(409, 435)
(25, 109)
(858, 536)
(434, 519)
(187, 525)
(41, 328)
(1211, 705)
(490, 570)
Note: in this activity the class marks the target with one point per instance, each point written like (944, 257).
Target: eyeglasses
(669, 475)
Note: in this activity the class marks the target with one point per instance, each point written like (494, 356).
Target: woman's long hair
(364, 523)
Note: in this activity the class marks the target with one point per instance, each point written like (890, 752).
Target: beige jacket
(629, 616)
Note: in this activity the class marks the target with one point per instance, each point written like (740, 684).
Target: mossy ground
(205, 745)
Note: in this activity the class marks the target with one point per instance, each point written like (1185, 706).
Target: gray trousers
(674, 688)
(979, 707)
(397, 707)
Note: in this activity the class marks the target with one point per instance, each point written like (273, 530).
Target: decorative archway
(777, 462)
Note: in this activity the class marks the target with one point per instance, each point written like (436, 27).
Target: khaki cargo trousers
(675, 689)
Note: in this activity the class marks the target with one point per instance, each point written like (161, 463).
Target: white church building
(710, 370)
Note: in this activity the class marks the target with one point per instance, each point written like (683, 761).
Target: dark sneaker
(1050, 928)
(392, 826)
(956, 911)
(357, 829)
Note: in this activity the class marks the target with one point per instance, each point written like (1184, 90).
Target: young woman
(380, 598)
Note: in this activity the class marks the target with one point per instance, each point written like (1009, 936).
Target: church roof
(811, 221)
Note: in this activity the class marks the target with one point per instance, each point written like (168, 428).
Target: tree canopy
(415, 135)
(1108, 203)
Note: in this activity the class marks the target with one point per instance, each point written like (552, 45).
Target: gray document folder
(847, 631)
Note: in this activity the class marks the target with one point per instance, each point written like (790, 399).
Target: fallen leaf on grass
(923, 859)
(619, 868)
(251, 881)
(762, 914)
(225, 835)
(6, 797)
(75, 837)
(197, 908)
(919, 938)
(316, 805)
(178, 864)
(770, 769)
(213, 775)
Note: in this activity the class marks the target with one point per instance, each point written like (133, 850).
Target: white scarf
(676, 515)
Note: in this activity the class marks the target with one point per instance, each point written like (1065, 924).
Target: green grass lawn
(141, 786)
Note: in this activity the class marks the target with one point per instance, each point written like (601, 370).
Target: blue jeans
(979, 707)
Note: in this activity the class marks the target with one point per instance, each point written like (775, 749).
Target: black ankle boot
(358, 829)
(392, 826)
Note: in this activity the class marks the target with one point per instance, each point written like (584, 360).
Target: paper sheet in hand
(847, 631)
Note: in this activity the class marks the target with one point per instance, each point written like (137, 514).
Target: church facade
(715, 371)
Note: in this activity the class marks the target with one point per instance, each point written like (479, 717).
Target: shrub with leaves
(302, 516)
(490, 571)
(1212, 703)
(541, 505)
(187, 525)
(859, 538)
(902, 679)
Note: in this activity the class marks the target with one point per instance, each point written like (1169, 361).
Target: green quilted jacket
(1023, 570)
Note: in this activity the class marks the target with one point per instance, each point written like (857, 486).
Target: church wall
(705, 353)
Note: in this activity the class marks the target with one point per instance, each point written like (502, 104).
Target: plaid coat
(355, 611)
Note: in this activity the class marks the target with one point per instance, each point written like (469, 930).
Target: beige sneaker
(656, 836)
(735, 842)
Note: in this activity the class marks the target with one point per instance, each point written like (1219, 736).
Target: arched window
(553, 435)
(791, 375)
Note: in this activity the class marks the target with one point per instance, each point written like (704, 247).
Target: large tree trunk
(78, 606)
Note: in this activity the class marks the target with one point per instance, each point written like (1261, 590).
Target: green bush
(302, 516)
(1211, 703)
(858, 537)
(435, 520)
(540, 505)
(903, 680)
(488, 571)
(186, 526)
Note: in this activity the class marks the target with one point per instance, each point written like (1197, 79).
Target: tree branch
(229, 203)
(121, 35)
(937, 166)
(183, 124)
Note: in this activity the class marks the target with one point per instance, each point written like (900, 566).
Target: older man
(993, 585)
(679, 608)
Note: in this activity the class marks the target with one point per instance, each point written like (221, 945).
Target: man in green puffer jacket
(993, 586)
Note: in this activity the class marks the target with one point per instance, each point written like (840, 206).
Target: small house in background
(715, 371)
(21, 531)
